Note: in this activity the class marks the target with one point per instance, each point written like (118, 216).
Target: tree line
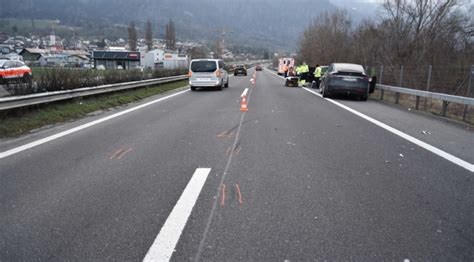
(170, 35)
(413, 33)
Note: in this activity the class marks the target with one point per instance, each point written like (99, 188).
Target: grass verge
(20, 121)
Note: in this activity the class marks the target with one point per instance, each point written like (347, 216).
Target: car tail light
(190, 73)
(218, 73)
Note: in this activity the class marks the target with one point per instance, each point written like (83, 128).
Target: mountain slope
(263, 23)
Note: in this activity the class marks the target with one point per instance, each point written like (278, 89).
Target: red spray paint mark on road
(222, 195)
(239, 194)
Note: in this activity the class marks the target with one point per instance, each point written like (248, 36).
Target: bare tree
(365, 48)
(170, 35)
(149, 35)
(416, 31)
(196, 53)
(410, 32)
(326, 39)
(218, 49)
(132, 36)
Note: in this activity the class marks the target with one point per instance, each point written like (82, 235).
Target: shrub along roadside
(20, 121)
(56, 79)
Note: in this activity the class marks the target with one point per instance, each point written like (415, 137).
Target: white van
(208, 73)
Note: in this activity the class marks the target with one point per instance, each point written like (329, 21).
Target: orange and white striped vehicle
(11, 70)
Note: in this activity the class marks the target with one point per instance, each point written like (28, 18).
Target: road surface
(296, 178)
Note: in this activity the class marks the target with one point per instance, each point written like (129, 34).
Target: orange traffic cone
(243, 105)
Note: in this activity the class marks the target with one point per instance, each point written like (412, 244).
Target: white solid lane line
(432, 149)
(164, 244)
(453, 159)
(81, 127)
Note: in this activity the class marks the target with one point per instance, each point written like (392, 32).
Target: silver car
(208, 73)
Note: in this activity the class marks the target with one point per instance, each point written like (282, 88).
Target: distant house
(8, 52)
(77, 60)
(116, 48)
(116, 59)
(6, 49)
(31, 56)
(164, 59)
(53, 60)
(12, 56)
(76, 52)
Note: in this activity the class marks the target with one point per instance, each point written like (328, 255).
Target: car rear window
(203, 66)
(350, 73)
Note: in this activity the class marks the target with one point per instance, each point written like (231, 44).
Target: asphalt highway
(296, 178)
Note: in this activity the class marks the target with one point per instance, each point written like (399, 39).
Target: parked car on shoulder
(208, 73)
(11, 70)
(345, 79)
(240, 70)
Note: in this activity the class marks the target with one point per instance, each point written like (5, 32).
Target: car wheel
(193, 88)
(364, 97)
(227, 83)
(325, 93)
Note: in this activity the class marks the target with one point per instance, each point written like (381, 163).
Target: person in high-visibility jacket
(304, 73)
(317, 75)
(298, 70)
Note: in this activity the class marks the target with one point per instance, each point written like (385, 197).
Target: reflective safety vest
(304, 69)
(298, 69)
(317, 72)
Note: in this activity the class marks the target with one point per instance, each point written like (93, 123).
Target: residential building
(31, 56)
(116, 59)
(164, 59)
(53, 60)
(77, 60)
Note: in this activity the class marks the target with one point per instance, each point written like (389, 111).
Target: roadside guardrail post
(380, 82)
(417, 106)
(445, 108)
(397, 95)
(445, 98)
(468, 93)
(428, 84)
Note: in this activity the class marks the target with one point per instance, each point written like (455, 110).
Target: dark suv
(240, 70)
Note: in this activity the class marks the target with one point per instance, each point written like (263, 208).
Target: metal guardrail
(466, 101)
(47, 97)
